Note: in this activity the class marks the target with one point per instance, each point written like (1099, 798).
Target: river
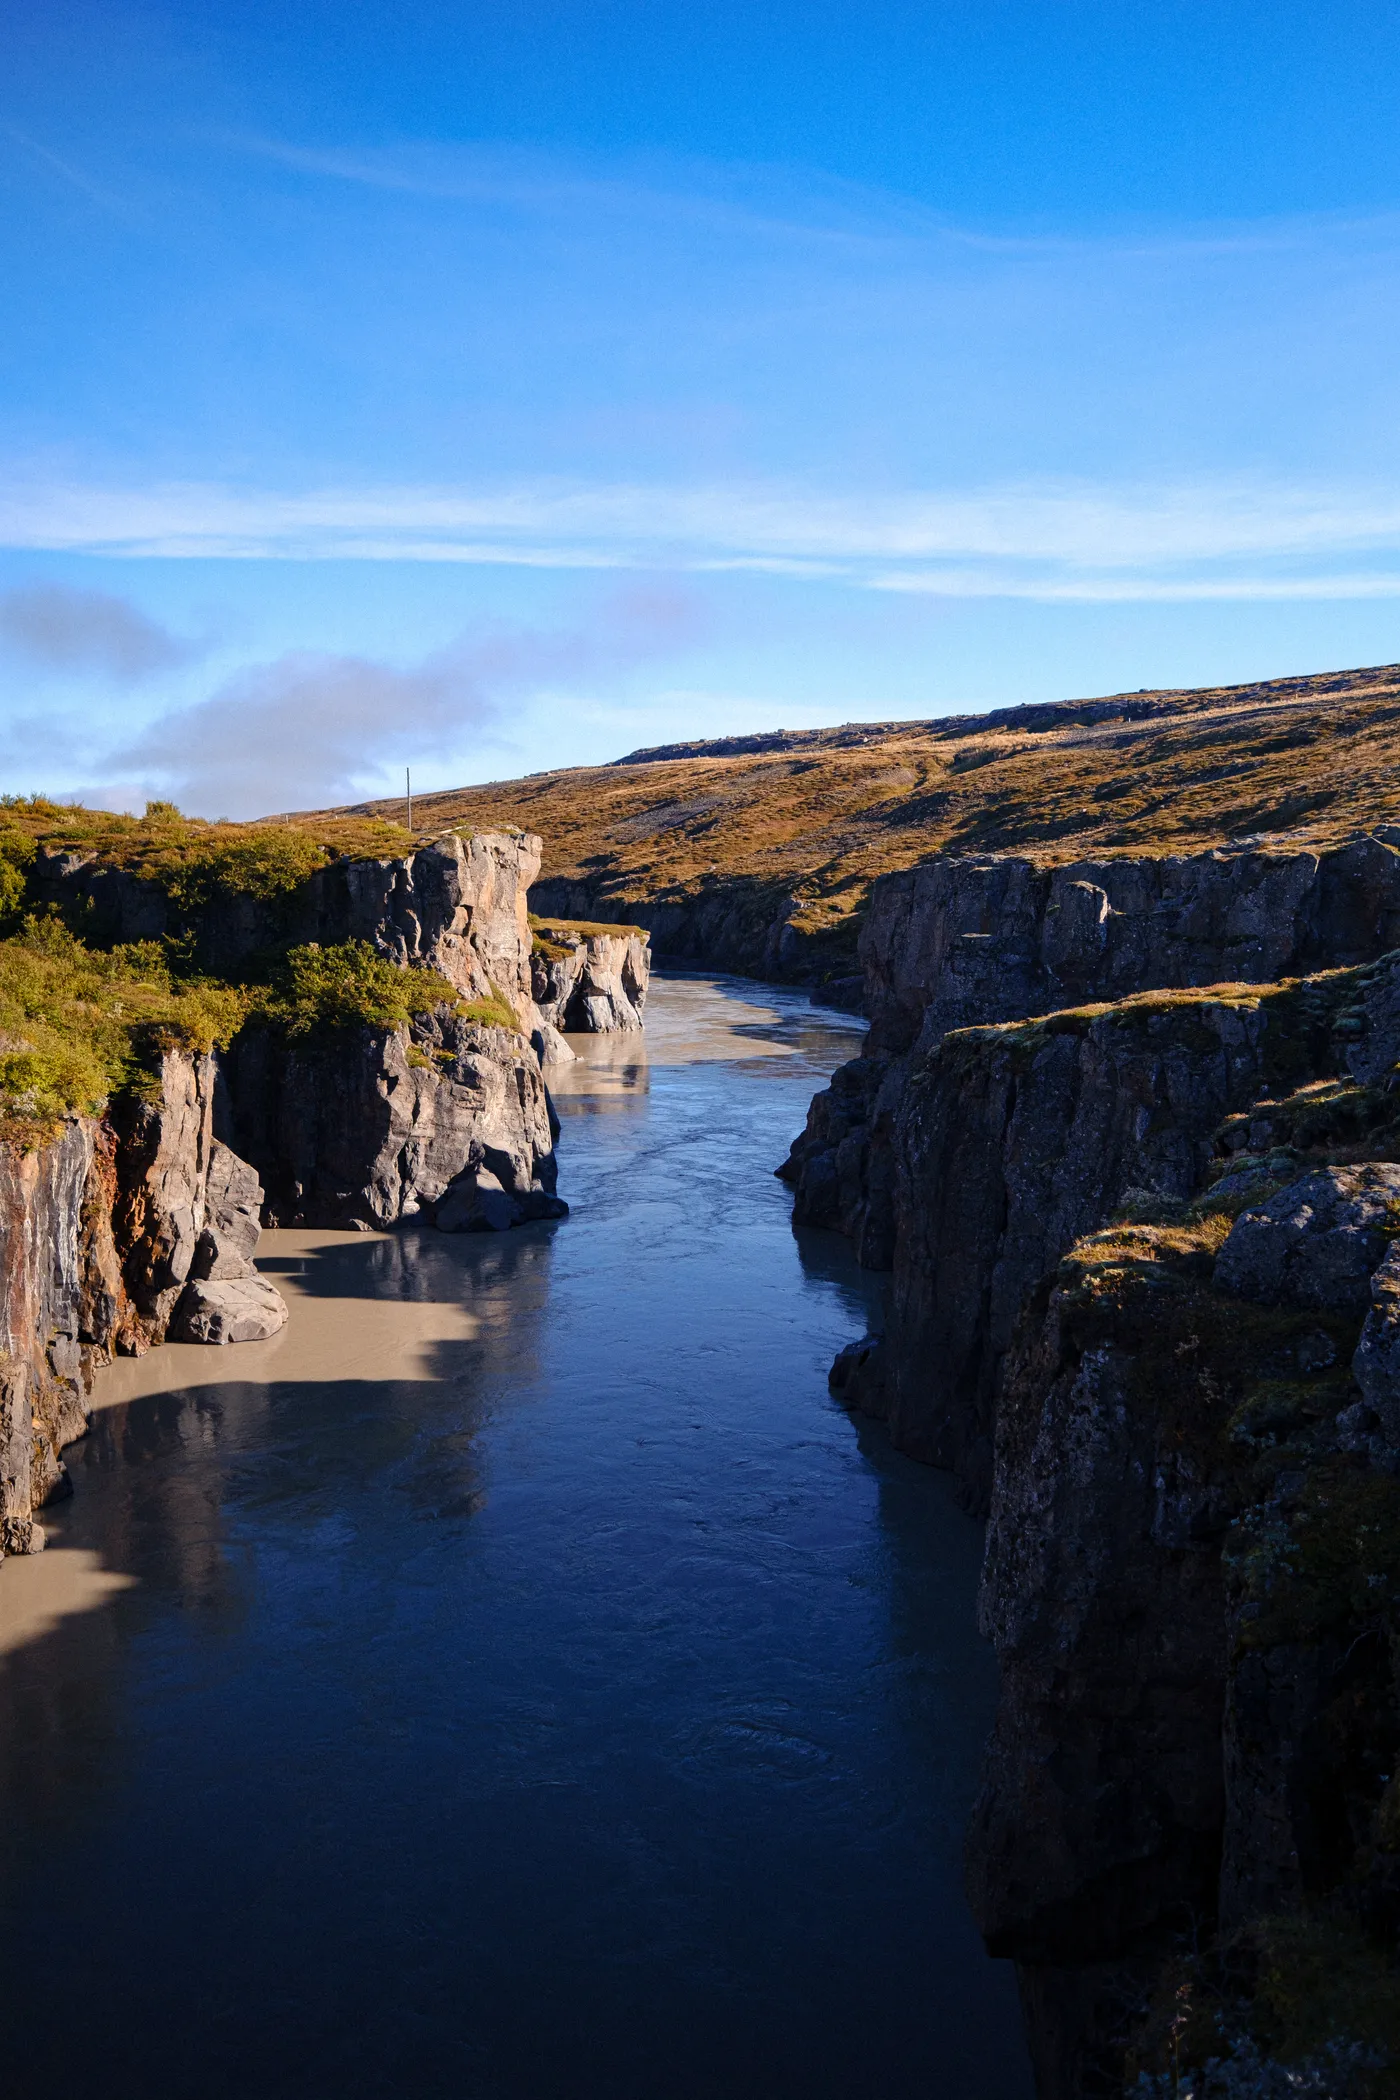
(519, 1680)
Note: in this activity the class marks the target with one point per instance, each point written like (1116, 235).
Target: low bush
(77, 1026)
(351, 985)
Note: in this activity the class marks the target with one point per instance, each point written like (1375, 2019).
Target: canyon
(1122, 1136)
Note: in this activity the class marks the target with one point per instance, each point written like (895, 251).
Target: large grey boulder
(232, 1219)
(247, 1309)
(476, 1201)
(1317, 1242)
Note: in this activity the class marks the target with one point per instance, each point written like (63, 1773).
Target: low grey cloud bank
(59, 627)
(313, 727)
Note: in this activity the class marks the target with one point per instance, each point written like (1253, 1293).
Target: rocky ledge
(1188, 1835)
(589, 979)
(116, 1233)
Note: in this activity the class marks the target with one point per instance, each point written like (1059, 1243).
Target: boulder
(476, 1201)
(233, 1210)
(246, 1309)
(1317, 1242)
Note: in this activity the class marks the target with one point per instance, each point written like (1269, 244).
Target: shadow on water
(519, 1678)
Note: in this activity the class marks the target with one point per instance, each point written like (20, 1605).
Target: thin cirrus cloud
(313, 727)
(61, 628)
(1046, 541)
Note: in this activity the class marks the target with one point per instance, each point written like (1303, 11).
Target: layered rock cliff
(1143, 1303)
(1016, 1139)
(1188, 1834)
(115, 1232)
(590, 979)
(961, 942)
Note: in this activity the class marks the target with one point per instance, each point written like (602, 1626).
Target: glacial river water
(519, 1679)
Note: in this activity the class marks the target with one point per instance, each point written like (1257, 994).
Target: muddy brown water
(519, 1678)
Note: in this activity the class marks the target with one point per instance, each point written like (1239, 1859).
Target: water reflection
(517, 1678)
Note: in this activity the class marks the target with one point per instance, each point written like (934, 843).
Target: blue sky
(487, 388)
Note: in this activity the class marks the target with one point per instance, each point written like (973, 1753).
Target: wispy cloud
(1043, 540)
(73, 176)
(62, 628)
(315, 727)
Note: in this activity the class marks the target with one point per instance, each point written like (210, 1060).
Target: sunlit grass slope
(818, 814)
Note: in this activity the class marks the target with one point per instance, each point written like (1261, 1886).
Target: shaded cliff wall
(106, 1229)
(1189, 1824)
(962, 942)
(737, 923)
(1187, 1425)
(1015, 1142)
(440, 1120)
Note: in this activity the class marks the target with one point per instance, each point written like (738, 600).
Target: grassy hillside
(191, 858)
(817, 814)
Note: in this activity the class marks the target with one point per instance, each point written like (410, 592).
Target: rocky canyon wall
(116, 1232)
(1188, 1834)
(590, 982)
(964, 942)
(1143, 1303)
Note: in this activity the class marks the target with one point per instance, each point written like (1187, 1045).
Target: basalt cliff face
(115, 1232)
(457, 906)
(445, 1118)
(1144, 1303)
(439, 1120)
(589, 981)
(966, 942)
(1188, 1834)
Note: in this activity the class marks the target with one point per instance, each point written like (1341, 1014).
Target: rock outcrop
(370, 1126)
(112, 1234)
(441, 1120)
(961, 942)
(1016, 1140)
(1193, 1585)
(457, 905)
(123, 1230)
(588, 980)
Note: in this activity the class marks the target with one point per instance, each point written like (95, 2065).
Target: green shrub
(348, 986)
(11, 893)
(495, 1012)
(263, 862)
(77, 1026)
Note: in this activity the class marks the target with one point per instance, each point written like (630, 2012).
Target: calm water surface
(519, 1678)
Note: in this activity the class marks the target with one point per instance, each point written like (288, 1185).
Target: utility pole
(408, 791)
